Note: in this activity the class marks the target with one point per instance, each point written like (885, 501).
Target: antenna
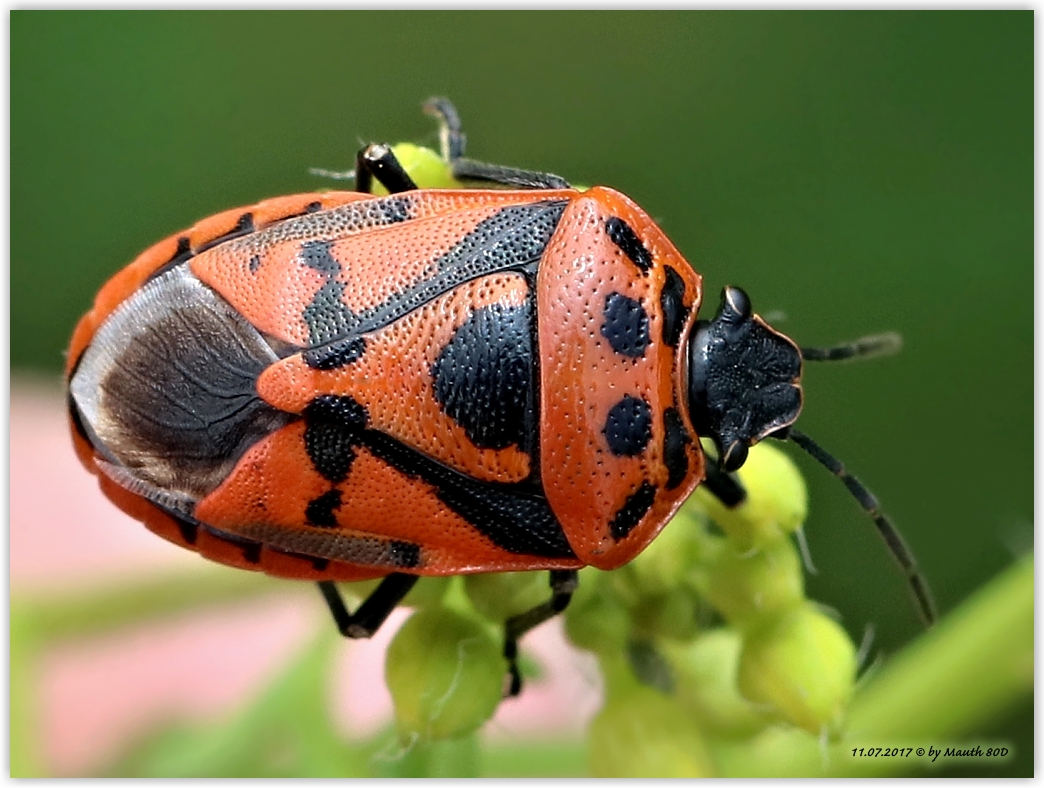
(917, 582)
(865, 347)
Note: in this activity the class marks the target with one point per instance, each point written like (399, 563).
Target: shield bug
(510, 376)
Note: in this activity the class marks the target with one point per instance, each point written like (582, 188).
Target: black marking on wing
(321, 511)
(482, 377)
(512, 239)
(512, 516)
(336, 354)
(332, 427)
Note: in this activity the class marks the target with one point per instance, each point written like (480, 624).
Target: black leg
(373, 611)
(452, 141)
(724, 486)
(563, 584)
(378, 161)
(468, 170)
(451, 138)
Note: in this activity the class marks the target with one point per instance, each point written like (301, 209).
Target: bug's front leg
(378, 161)
(563, 583)
(724, 486)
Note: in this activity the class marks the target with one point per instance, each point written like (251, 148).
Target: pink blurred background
(100, 693)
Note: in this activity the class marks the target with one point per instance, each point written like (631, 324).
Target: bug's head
(744, 379)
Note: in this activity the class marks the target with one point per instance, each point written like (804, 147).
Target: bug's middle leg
(563, 584)
(378, 161)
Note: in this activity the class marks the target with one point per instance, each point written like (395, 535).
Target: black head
(744, 379)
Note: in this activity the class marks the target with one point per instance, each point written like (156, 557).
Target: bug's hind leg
(563, 584)
(452, 141)
(373, 612)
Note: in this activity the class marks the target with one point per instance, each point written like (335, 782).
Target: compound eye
(734, 457)
(737, 302)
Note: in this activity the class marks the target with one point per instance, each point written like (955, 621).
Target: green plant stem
(973, 666)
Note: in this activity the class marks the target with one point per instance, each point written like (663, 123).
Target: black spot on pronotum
(674, 455)
(626, 325)
(632, 512)
(621, 234)
(404, 555)
(332, 426)
(483, 376)
(321, 511)
(628, 428)
(319, 564)
(314, 206)
(673, 307)
(255, 263)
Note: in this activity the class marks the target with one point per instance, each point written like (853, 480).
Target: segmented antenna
(864, 347)
(917, 582)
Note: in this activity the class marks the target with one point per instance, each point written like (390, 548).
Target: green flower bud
(804, 665)
(664, 564)
(641, 732)
(596, 620)
(672, 616)
(748, 587)
(446, 674)
(705, 684)
(776, 505)
(502, 595)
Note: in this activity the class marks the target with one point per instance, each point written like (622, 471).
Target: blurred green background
(854, 171)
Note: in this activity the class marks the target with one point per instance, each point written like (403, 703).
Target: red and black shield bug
(343, 386)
